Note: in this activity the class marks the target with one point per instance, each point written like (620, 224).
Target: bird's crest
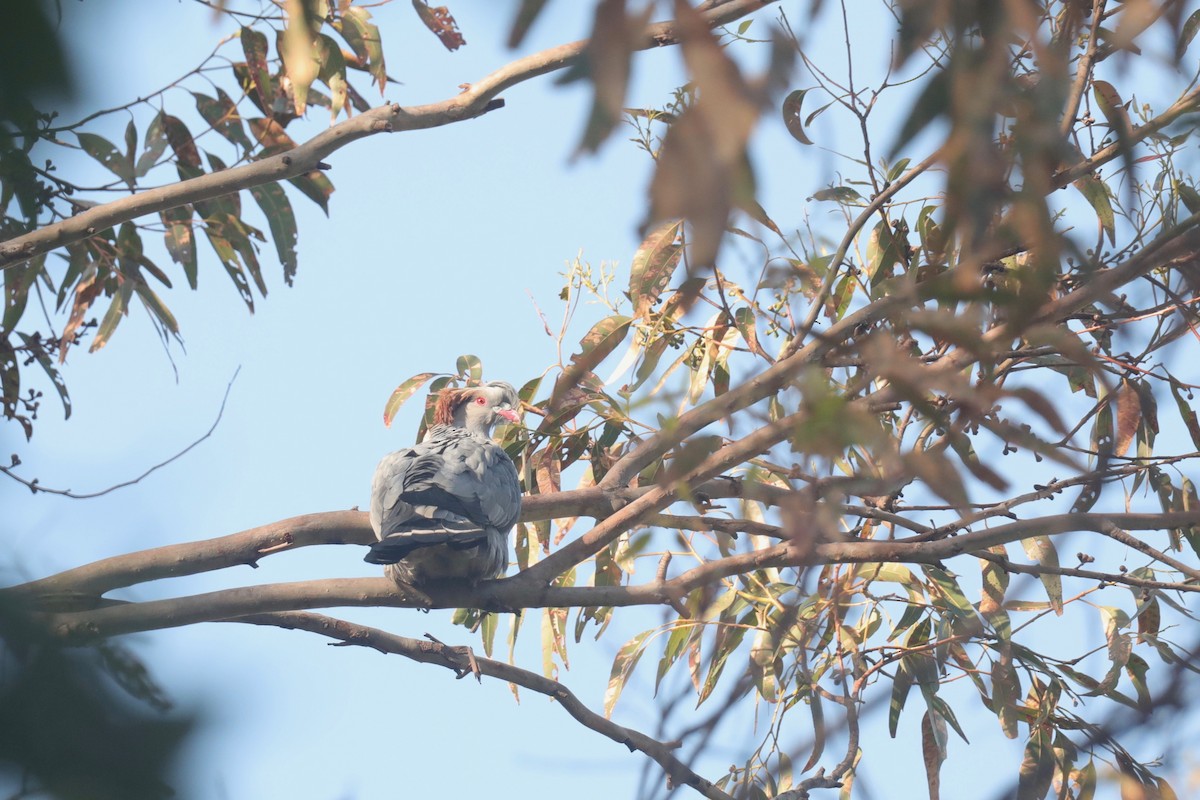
(448, 402)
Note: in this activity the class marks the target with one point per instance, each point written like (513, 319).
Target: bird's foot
(423, 601)
(460, 654)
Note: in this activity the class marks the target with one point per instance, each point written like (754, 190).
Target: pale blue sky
(435, 242)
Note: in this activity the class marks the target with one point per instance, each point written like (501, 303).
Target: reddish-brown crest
(448, 402)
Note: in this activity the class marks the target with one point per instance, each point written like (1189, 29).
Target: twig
(480, 98)
(36, 487)
(436, 653)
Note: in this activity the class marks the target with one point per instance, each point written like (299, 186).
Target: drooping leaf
(298, 49)
(282, 221)
(222, 115)
(608, 54)
(316, 187)
(155, 144)
(254, 46)
(1186, 34)
(626, 659)
(108, 155)
(526, 15)
(1108, 99)
(1185, 412)
(362, 35)
(1129, 416)
(1041, 549)
(1037, 766)
(180, 139)
(1095, 191)
(333, 72)
(118, 308)
(933, 751)
(180, 240)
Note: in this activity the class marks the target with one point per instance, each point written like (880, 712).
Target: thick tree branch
(514, 593)
(478, 99)
(432, 652)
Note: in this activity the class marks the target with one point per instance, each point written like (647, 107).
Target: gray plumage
(443, 509)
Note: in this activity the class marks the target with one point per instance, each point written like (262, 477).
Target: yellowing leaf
(402, 393)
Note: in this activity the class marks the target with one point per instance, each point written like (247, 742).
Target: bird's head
(478, 409)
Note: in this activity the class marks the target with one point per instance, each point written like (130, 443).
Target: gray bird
(442, 509)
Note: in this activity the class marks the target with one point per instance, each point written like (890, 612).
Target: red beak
(509, 414)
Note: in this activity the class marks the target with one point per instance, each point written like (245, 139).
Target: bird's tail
(395, 547)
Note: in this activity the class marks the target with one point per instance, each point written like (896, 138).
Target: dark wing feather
(452, 484)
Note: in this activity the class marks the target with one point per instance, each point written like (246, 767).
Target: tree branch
(514, 593)
(432, 652)
(475, 101)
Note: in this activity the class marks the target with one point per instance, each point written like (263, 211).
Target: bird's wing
(450, 479)
(466, 475)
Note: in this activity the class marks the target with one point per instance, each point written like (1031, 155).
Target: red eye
(479, 401)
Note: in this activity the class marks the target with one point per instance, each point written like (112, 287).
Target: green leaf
(727, 641)
(792, 105)
(470, 367)
(184, 147)
(1187, 33)
(155, 306)
(316, 187)
(282, 221)
(1041, 549)
(901, 685)
(622, 668)
(487, 631)
(181, 240)
(18, 280)
(653, 264)
(402, 393)
(843, 195)
(107, 154)
(1185, 412)
(332, 71)
(118, 308)
(363, 37)
(897, 169)
(947, 586)
(1095, 192)
(1037, 766)
(155, 144)
(254, 45)
(604, 337)
(222, 115)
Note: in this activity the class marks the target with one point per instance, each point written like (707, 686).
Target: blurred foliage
(971, 340)
(954, 309)
(81, 723)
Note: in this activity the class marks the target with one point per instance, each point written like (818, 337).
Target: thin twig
(35, 487)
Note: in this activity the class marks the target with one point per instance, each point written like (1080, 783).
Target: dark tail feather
(396, 547)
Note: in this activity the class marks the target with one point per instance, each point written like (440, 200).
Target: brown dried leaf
(1129, 416)
(439, 20)
(933, 752)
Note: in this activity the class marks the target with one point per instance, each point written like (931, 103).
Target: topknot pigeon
(442, 509)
